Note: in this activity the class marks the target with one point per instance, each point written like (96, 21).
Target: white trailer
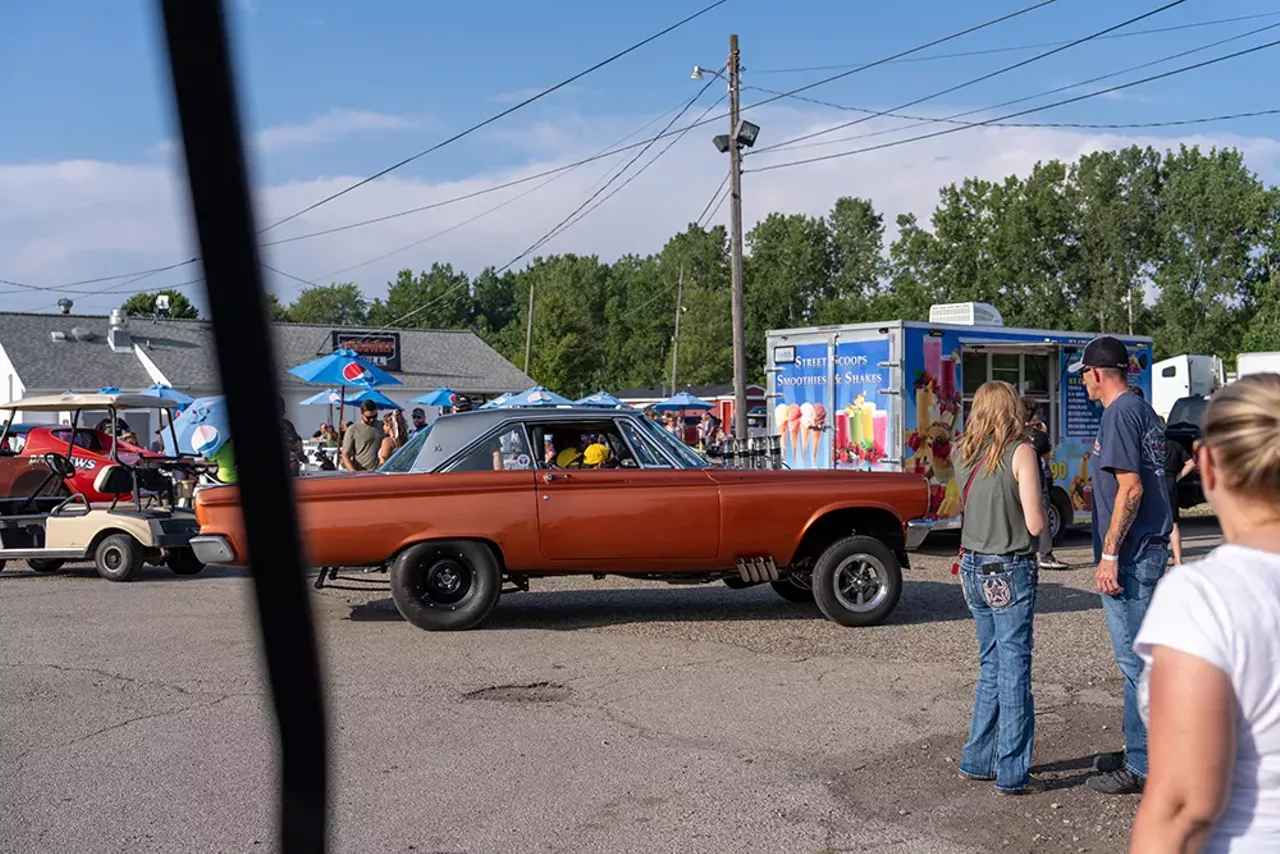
(1184, 376)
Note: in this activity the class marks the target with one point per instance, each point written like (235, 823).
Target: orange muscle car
(484, 498)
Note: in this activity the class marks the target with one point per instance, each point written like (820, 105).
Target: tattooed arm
(1128, 499)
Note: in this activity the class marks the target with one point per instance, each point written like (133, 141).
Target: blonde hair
(395, 427)
(1242, 424)
(996, 417)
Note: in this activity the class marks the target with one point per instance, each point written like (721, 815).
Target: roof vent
(57, 335)
(966, 313)
(119, 320)
(82, 333)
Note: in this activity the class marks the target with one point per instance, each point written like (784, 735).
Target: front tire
(119, 558)
(1061, 515)
(446, 586)
(857, 581)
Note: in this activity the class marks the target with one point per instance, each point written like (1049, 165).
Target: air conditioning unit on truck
(893, 396)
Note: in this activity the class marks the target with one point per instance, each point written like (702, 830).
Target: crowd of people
(1197, 646)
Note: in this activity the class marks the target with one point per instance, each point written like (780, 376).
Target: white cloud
(331, 127)
(80, 219)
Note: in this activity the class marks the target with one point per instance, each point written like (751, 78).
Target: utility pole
(528, 331)
(735, 249)
(675, 344)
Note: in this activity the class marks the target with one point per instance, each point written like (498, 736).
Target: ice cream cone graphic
(793, 427)
(781, 415)
(819, 424)
(806, 429)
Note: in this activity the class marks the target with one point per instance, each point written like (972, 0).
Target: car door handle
(550, 476)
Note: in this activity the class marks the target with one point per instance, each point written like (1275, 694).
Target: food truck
(893, 396)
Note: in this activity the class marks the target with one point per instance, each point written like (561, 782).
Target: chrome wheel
(861, 583)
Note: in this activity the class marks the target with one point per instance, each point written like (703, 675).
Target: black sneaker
(1108, 763)
(1033, 787)
(1051, 562)
(1122, 782)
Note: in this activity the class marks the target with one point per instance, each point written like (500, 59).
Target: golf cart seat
(114, 480)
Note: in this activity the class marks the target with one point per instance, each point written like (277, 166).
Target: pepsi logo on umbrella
(356, 373)
(204, 439)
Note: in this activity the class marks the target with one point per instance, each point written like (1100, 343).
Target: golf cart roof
(71, 402)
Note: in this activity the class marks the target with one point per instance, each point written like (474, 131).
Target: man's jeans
(1124, 613)
(1003, 605)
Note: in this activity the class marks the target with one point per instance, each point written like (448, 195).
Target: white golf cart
(94, 502)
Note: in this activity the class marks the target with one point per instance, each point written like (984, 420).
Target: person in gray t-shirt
(1131, 525)
(361, 443)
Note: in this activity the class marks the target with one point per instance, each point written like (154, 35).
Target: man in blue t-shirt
(1131, 526)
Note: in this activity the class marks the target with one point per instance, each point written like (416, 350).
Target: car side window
(504, 451)
(647, 455)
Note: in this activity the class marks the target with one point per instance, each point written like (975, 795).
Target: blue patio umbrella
(500, 400)
(602, 400)
(343, 367)
(109, 389)
(203, 427)
(167, 392)
(439, 397)
(328, 397)
(681, 402)
(373, 394)
(537, 396)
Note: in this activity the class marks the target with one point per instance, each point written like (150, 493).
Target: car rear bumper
(917, 530)
(213, 548)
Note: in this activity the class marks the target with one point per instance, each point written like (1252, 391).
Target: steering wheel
(59, 465)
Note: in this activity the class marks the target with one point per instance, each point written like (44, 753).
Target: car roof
(69, 402)
(452, 433)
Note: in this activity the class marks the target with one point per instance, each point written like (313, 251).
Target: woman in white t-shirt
(1210, 690)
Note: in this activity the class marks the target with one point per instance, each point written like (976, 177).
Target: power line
(497, 116)
(711, 201)
(956, 118)
(1035, 46)
(979, 79)
(1027, 111)
(508, 201)
(548, 172)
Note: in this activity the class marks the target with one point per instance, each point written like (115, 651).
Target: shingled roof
(183, 352)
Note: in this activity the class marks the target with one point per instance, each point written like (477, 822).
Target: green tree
(439, 298)
(789, 274)
(861, 268)
(144, 305)
(1213, 215)
(276, 311)
(330, 305)
(1262, 331)
(494, 297)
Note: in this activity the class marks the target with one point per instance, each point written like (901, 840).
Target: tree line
(1183, 246)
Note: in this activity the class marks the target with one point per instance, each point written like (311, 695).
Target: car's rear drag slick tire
(446, 586)
(119, 557)
(794, 588)
(857, 581)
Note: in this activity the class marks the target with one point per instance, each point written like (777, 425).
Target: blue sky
(335, 90)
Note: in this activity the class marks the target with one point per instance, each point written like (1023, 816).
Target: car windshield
(402, 460)
(685, 456)
(1188, 411)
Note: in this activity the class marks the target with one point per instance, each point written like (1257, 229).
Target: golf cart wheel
(119, 557)
(1061, 515)
(857, 581)
(794, 587)
(183, 562)
(45, 564)
(446, 586)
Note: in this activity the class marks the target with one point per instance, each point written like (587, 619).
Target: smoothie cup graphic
(947, 379)
(924, 413)
(868, 421)
(855, 426)
(880, 430)
(932, 356)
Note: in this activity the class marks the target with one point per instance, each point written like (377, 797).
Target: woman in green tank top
(1003, 516)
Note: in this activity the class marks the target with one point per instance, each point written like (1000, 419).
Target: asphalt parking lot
(586, 716)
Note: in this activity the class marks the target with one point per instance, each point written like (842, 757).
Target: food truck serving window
(1029, 369)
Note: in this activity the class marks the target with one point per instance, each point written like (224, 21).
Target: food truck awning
(1004, 345)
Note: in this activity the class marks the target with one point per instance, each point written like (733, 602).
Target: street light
(741, 135)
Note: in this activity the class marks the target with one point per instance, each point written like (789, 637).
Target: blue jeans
(1003, 605)
(1124, 613)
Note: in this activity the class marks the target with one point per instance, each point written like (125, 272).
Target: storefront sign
(378, 348)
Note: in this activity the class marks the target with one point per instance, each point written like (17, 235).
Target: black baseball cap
(461, 403)
(1104, 352)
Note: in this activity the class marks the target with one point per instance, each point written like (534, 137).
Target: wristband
(1111, 558)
